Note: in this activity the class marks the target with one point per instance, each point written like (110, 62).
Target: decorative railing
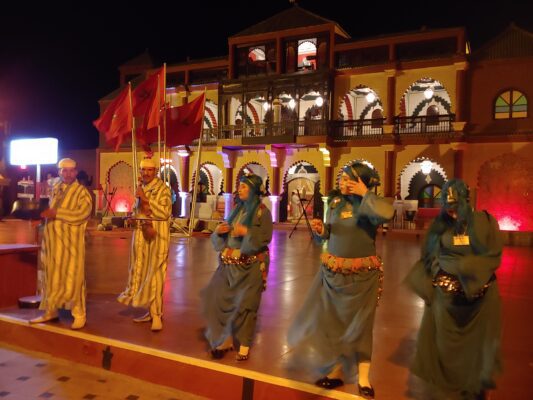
(356, 129)
(433, 124)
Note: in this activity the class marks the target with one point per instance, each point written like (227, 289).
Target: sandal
(329, 383)
(241, 357)
(217, 354)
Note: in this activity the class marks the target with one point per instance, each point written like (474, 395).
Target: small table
(18, 272)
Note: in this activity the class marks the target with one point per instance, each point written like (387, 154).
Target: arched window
(432, 115)
(510, 104)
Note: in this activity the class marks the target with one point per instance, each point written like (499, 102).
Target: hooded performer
(336, 321)
(232, 297)
(149, 249)
(458, 348)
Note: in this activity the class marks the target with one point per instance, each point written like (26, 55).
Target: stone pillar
(391, 96)
(229, 180)
(390, 174)
(185, 204)
(275, 186)
(460, 91)
(325, 201)
(228, 202)
(328, 185)
(185, 173)
(274, 200)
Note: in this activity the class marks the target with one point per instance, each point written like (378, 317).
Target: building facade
(296, 99)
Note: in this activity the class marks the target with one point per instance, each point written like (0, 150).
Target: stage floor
(294, 262)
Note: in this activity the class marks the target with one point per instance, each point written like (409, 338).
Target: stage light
(292, 104)
(426, 166)
(319, 101)
(370, 97)
(428, 93)
(33, 151)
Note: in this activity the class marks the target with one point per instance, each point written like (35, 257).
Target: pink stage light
(509, 224)
(122, 205)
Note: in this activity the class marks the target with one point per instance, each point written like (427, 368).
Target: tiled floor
(28, 375)
(293, 265)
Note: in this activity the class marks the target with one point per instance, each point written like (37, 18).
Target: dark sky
(57, 61)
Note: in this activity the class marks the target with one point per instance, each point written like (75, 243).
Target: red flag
(116, 120)
(184, 123)
(146, 102)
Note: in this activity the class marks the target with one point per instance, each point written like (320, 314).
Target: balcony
(434, 125)
(342, 131)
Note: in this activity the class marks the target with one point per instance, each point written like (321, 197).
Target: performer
(336, 321)
(232, 297)
(63, 247)
(458, 345)
(149, 249)
(295, 206)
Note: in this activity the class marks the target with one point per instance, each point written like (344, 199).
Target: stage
(177, 357)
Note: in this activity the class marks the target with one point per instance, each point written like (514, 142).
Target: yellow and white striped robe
(63, 249)
(148, 259)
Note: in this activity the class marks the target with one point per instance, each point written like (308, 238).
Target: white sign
(33, 151)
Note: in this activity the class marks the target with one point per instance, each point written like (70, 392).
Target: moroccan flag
(184, 123)
(116, 120)
(147, 100)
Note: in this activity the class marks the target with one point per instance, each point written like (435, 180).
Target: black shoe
(219, 353)
(366, 391)
(328, 383)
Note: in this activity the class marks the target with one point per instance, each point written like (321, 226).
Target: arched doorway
(256, 169)
(425, 107)
(362, 110)
(422, 174)
(120, 182)
(301, 183)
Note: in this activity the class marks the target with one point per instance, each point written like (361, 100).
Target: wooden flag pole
(165, 171)
(197, 176)
(133, 143)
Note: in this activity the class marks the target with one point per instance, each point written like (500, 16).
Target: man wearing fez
(149, 250)
(63, 247)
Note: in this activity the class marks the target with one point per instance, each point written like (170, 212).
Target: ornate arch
(440, 96)
(241, 172)
(409, 171)
(361, 160)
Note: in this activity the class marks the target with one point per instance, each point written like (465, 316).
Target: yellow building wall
(444, 74)
(108, 159)
(477, 154)
(252, 156)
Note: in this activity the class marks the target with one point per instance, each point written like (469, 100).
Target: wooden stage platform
(177, 356)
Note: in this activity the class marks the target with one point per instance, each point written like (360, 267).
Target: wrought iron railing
(356, 129)
(433, 124)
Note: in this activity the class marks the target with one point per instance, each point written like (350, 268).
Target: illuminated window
(510, 104)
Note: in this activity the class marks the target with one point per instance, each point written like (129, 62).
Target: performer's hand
(222, 228)
(356, 187)
(239, 230)
(49, 213)
(317, 226)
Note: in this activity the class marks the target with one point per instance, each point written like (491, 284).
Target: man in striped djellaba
(149, 249)
(63, 247)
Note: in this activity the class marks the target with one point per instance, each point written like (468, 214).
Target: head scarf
(257, 189)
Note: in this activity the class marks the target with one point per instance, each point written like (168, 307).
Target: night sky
(55, 63)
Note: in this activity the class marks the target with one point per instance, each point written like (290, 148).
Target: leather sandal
(241, 357)
(217, 354)
(366, 391)
(329, 383)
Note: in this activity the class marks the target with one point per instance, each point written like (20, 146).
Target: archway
(422, 104)
(417, 175)
(256, 169)
(301, 177)
(361, 160)
(120, 181)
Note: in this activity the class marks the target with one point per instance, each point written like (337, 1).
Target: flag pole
(165, 171)
(197, 176)
(159, 125)
(133, 144)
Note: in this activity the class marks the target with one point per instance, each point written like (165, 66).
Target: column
(328, 185)
(229, 180)
(325, 201)
(185, 173)
(228, 203)
(185, 204)
(275, 187)
(391, 101)
(274, 200)
(390, 173)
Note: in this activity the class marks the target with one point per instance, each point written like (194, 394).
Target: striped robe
(148, 259)
(63, 249)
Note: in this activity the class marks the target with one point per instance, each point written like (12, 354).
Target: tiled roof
(512, 42)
